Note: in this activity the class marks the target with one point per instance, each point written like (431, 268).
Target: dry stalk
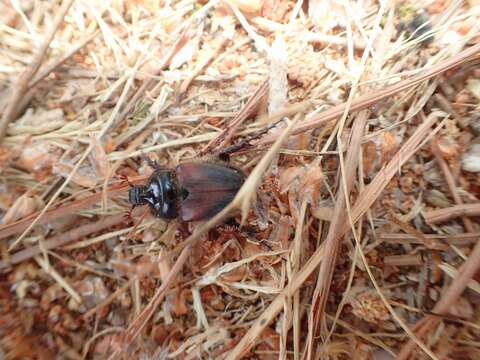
(62, 239)
(466, 272)
(101, 135)
(404, 260)
(44, 72)
(333, 240)
(297, 252)
(226, 134)
(200, 69)
(464, 239)
(241, 202)
(363, 203)
(21, 85)
(179, 44)
(441, 215)
(381, 180)
(45, 265)
(358, 44)
(421, 237)
(108, 300)
(450, 181)
(62, 211)
(51, 66)
(368, 99)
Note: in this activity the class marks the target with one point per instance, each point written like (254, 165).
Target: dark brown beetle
(192, 191)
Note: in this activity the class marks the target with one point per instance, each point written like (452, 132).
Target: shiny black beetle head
(136, 195)
(160, 194)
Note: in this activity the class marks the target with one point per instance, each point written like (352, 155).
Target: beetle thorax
(161, 194)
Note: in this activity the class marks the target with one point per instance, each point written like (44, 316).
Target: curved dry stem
(241, 202)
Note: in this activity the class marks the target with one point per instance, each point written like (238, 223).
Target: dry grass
(360, 214)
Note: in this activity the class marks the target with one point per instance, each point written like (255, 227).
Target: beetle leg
(244, 144)
(127, 217)
(246, 231)
(124, 179)
(152, 163)
(224, 154)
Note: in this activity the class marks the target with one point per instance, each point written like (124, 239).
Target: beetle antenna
(124, 179)
(152, 163)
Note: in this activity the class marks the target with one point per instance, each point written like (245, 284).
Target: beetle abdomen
(208, 188)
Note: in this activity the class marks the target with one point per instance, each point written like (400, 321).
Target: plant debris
(355, 236)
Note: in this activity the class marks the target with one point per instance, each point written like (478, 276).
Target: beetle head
(136, 195)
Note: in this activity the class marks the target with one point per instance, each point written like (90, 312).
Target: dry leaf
(388, 146)
(462, 309)
(310, 184)
(299, 142)
(270, 340)
(447, 147)
(99, 159)
(323, 213)
(37, 122)
(5, 155)
(471, 159)
(368, 306)
(180, 305)
(36, 157)
(369, 151)
(23, 206)
(288, 175)
(83, 176)
(275, 10)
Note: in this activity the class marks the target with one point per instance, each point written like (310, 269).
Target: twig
(62, 239)
(64, 210)
(441, 215)
(108, 300)
(450, 181)
(363, 203)
(22, 82)
(465, 274)
(333, 240)
(241, 202)
(368, 99)
(464, 239)
(43, 73)
(226, 134)
(200, 69)
(179, 44)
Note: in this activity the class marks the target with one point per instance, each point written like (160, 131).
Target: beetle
(192, 191)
